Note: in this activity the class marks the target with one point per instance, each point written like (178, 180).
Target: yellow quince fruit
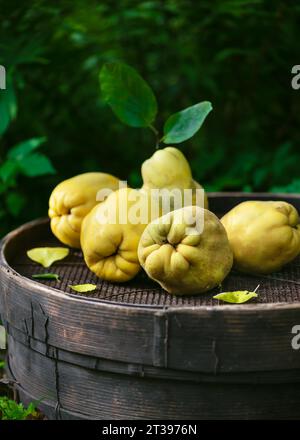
(264, 236)
(168, 169)
(72, 200)
(111, 232)
(183, 257)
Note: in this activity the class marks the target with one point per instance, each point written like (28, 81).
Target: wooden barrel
(132, 351)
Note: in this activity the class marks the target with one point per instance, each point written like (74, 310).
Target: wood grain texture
(148, 361)
(69, 391)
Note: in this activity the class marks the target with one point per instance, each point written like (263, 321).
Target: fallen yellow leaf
(237, 297)
(47, 255)
(83, 288)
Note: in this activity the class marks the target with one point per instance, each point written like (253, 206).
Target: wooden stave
(67, 391)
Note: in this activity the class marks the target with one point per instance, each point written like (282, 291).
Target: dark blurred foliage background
(238, 54)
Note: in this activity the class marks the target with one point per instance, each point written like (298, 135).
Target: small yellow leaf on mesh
(47, 255)
(238, 297)
(83, 288)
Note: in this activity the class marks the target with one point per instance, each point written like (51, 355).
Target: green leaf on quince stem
(128, 94)
(184, 124)
(238, 297)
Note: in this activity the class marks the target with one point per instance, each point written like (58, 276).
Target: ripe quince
(183, 258)
(72, 200)
(264, 235)
(168, 169)
(111, 232)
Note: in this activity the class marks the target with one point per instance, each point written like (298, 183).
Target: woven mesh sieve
(282, 286)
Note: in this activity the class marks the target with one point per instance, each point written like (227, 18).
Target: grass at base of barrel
(10, 408)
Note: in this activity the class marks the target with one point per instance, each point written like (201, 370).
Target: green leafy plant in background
(293, 187)
(11, 410)
(134, 103)
(23, 159)
(20, 160)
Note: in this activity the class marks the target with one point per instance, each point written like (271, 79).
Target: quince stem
(156, 132)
